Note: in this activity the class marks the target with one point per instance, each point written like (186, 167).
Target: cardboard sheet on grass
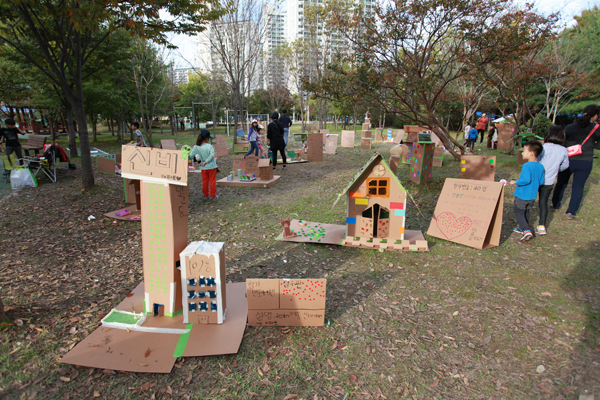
(331, 142)
(286, 302)
(469, 212)
(120, 350)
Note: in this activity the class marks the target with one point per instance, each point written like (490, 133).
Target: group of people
(474, 131)
(565, 152)
(203, 152)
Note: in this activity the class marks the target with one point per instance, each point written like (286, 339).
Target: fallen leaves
(147, 353)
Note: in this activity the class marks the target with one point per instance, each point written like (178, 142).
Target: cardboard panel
(134, 215)
(286, 317)
(315, 147)
(399, 136)
(251, 165)
(367, 134)
(220, 145)
(505, 135)
(154, 165)
(168, 144)
(305, 294)
(331, 142)
(366, 127)
(479, 168)
(106, 165)
(438, 156)
(365, 144)
(262, 294)
(348, 139)
(258, 183)
(469, 213)
(393, 163)
(378, 132)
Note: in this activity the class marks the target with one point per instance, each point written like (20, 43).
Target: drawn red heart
(451, 227)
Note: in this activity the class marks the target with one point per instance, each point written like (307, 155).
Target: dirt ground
(518, 321)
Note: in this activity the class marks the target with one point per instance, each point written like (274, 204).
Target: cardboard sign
(479, 168)
(469, 213)
(154, 165)
(168, 144)
(251, 165)
(331, 141)
(505, 135)
(315, 147)
(286, 302)
(348, 139)
(239, 163)
(220, 146)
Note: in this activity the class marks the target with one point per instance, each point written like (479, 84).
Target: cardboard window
(192, 307)
(379, 187)
(212, 294)
(213, 306)
(201, 295)
(210, 282)
(368, 213)
(191, 294)
(191, 282)
(203, 306)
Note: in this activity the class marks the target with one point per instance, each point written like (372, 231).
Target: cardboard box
(265, 169)
(315, 147)
(286, 302)
(421, 163)
(366, 127)
(348, 139)
(469, 213)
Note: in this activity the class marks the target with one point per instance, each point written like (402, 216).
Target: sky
(185, 56)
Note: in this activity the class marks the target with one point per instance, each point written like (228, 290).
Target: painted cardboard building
(203, 277)
(479, 168)
(421, 162)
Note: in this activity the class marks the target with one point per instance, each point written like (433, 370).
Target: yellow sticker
(463, 162)
(463, 169)
(362, 201)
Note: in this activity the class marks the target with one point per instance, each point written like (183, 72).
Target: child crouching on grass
(531, 178)
(204, 152)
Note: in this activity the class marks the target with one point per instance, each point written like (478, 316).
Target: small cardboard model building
(421, 163)
(251, 165)
(220, 145)
(203, 280)
(286, 302)
(168, 144)
(396, 154)
(331, 142)
(479, 168)
(469, 212)
(365, 140)
(348, 139)
(315, 147)
(378, 132)
(505, 136)
(375, 214)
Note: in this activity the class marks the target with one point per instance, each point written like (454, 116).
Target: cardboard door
(366, 223)
(383, 222)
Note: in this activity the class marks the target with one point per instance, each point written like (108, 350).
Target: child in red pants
(205, 154)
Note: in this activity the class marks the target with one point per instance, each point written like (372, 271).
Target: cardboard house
(265, 170)
(421, 163)
(376, 203)
(203, 277)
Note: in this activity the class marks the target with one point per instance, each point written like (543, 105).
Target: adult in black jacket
(287, 123)
(276, 139)
(579, 166)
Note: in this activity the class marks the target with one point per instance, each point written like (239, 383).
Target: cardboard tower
(421, 162)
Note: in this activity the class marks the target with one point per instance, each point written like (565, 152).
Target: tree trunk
(94, 128)
(2, 315)
(87, 176)
(71, 131)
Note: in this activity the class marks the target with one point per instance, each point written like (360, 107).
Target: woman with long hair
(586, 133)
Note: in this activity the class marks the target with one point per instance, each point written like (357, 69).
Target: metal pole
(193, 119)
(227, 120)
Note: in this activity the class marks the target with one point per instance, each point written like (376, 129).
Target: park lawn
(456, 322)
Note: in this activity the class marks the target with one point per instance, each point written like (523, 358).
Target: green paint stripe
(182, 342)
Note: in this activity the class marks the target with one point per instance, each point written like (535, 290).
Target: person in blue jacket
(473, 135)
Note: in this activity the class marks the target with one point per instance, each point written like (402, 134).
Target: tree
(68, 33)
(414, 50)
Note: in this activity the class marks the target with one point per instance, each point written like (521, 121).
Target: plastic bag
(22, 178)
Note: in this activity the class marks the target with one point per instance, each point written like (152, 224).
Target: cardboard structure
(168, 144)
(203, 277)
(109, 165)
(220, 146)
(348, 139)
(421, 163)
(286, 302)
(378, 133)
(260, 167)
(505, 136)
(331, 143)
(469, 212)
(365, 140)
(375, 218)
(438, 156)
(406, 158)
(133, 198)
(414, 130)
(399, 136)
(479, 168)
(315, 147)
(240, 142)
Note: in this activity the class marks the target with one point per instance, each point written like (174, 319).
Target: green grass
(403, 325)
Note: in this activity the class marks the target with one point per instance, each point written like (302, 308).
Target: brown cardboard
(348, 139)
(438, 156)
(106, 165)
(265, 170)
(505, 136)
(168, 144)
(399, 136)
(421, 163)
(315, 147)
(378, 134)
(394, 162)
(220, 146)
(251, 166)
(469, 213)
(164, 237)
(120, 350)
(155, 165)
(331, 142)
(134, 215)
(336, 235)
(367, 134)
(366, 127)
(286, 302)
(479, 168)
(258, 183)
(238, 163)
(365, 144)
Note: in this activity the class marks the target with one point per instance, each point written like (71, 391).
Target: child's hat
(254, 120)
(205, 133)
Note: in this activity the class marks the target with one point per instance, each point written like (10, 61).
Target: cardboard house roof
(359, 175)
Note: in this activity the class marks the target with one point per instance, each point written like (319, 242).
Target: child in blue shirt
(531, 178)
(473, 135)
